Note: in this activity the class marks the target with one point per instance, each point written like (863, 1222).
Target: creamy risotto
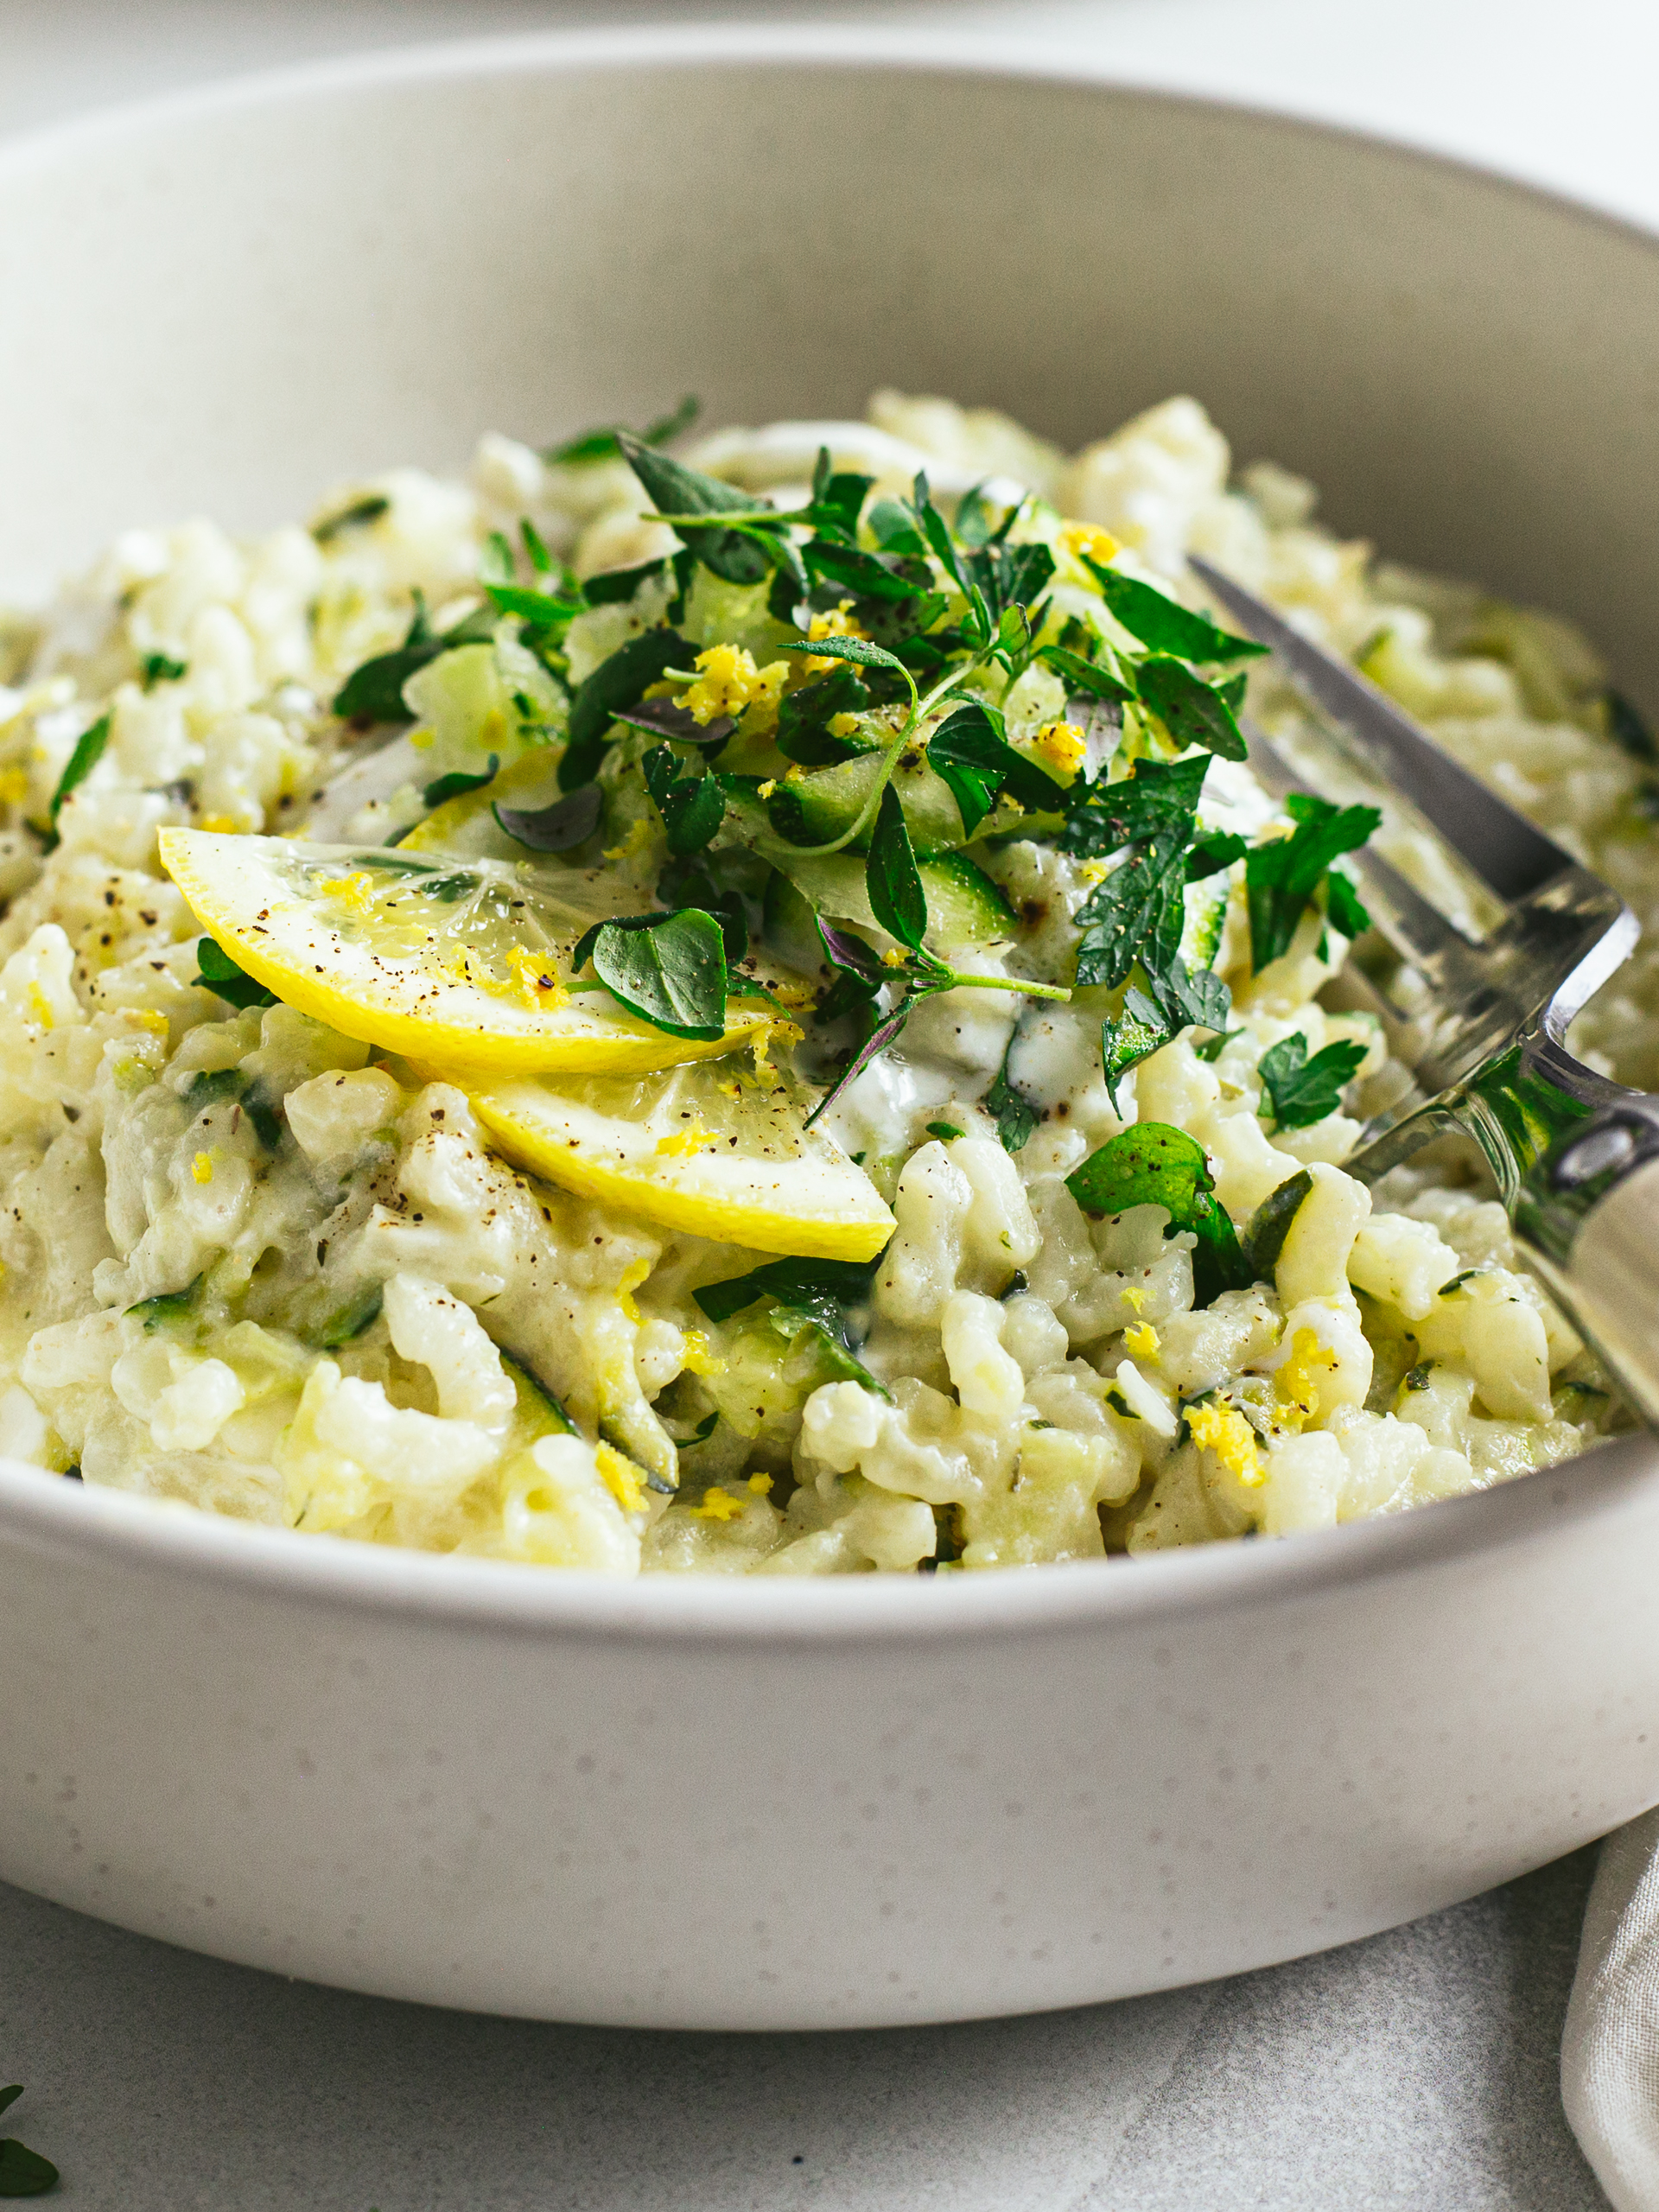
(731, 1004)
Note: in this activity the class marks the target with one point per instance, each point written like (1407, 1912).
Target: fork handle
(1588, 1220)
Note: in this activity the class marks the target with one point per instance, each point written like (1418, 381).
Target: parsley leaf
(568, 822)
(667, 968)
(676, 490)
(24, 2172)
(219, 972)
(1136, 913)
(160, 667)
(969, 752)
(1173, 1000)
(1305, 1091)
(1192, 711)
(1344, 907)
(894, 528)
(605, 445)
(692, 807)
(1085, 674)
(1163, 624)
(1282, 876)
(1159, 799)
(803, 716)
(811, 1294)
(854, 649)
(1139, 1032)
(621, 681)
(792, 1281)
(892, 878)
(1014, 1115)
(1154, 1164)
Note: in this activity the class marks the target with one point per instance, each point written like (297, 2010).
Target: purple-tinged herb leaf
(569, 821)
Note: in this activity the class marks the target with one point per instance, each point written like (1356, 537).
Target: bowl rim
(44, 1513)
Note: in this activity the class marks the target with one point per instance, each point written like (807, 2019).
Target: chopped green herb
(568, 822)
(1304, 1091)
(607, 444)
(1629, 730)
(892, 878)
(621, 681)
(731, 554)
(89, 751)
(1139, 1031)
(946, 1132)
(361, 1311)
(1270, 1226)
(1155, 1164)
(822, 1318)
(1157, 799)
(667, 968)
(1192, 711)
(969, 752)
(457, 783)
(1014, 1115)
(692, 807)
(209, 1085)
(372, 508)
(1212, 1047)
(219, 972)
(1163, 624)
(792, 1282)
(1282, 875)
(169, 1306)
(1091, 676)
(160, 667)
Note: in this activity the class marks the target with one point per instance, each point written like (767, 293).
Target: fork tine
(1499, 844)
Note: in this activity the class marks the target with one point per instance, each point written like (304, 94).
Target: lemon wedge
(719, 1149)
(458, 961)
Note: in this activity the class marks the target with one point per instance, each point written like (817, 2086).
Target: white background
(1416, 2070)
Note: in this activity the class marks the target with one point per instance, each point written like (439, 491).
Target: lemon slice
(457, 962)
(720, 1150)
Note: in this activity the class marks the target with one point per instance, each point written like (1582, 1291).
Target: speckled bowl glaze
(760, 1805)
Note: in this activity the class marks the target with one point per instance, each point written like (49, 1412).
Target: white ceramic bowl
(763, 1805)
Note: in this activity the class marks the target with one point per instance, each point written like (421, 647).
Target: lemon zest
(40, 1007)
(14, 786)
(700, 1358)
(202, 1168)
(1296, 1382)
(1077, 538)
(532, 981)
(717, 1505)
(353, 892)
(693, 1140)
(1061, 744)
(1224, 1431)
(637, 1272)
(761, 1485)
(225, 825)
(729, 682)
(837, 622)
(1142, 1340)
(620, 1476)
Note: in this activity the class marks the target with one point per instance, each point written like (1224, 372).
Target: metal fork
(1479, 1017)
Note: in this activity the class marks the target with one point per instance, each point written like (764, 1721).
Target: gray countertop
(1417, 2069)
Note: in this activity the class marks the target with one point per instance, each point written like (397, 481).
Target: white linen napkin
(1610, 2048)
